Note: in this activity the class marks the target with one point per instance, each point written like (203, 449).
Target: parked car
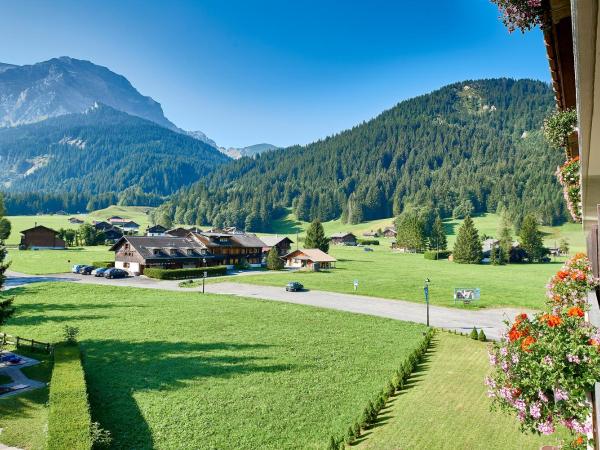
(86, 270)
(76, 267)
(293, 286)
(99, 272)
(116, 273)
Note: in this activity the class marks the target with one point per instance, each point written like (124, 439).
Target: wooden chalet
(311, 259)
(371, 234)
(231, 249)
(41, 238)
(343, 239)
(390, 232)
(136, 253)
(179, 232)
(156, 230)
(102, 226)
(75, 220)
(282, 243)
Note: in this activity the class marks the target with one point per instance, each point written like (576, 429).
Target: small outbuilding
(156, 230)
(283, 244)
(309, 258)
(41, 238)
(346, 238)
(390, 232)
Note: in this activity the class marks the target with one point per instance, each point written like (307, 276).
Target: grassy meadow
(445, 406)
(182, 370)
(41, 262)
(383, 273)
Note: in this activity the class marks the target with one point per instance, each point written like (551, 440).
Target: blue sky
(246, 72)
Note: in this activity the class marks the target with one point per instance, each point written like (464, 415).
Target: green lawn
(23, 418)
(446, 407)
(383, 273)
(183, 370)
(40, 262)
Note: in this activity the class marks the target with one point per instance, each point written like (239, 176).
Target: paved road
(491, 320)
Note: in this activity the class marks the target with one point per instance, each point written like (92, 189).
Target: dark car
(86, 270)
(116, 273)
(293, 286)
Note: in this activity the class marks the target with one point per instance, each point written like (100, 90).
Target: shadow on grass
(116, 371)
(416, 377)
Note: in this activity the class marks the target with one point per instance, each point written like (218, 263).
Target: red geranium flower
(575, 311)
(527, 342)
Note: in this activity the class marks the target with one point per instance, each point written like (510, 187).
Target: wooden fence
(30, 344)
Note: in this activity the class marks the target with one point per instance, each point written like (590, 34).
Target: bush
(70, 334)
(182, 274)
(474, 334)
(368, 242)
(432, 254)
(105, 264)
(69, 420)
(482, 337)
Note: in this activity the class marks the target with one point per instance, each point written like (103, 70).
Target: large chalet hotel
(191, 249)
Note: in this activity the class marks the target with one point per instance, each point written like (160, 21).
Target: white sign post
(355, 285)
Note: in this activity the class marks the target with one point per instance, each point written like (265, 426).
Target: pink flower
(535, 410)
(559, 395)
(546, 427)
(573, 359)
(542, 397)
(493, 359)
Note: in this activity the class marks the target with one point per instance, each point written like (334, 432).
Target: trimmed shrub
(182, 274)
(474, 334)
(69, 420)
(368, 241)
(482, 337)
(434, 255)
(105, 264)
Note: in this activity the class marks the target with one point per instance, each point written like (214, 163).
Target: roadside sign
(355, 284)
(205, 274)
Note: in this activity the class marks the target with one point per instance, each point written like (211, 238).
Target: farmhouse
(102, 226)
(313, 259)
(41, 237)
(75, 220)
(343, 239)
(179, 232)
(156, 230)
(372, 234)
(231, 249)
(282, 243)
(129, 227)
(116, 220)
(112, 234)
(136, 253)
(390, 232)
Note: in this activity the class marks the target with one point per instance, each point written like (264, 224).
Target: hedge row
(69, 420)
(106, 264)
(442, 254)
(182, 274)
(368, 242)
(369, 415)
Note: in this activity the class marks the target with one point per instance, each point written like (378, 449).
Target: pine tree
(505, 240)
(315, 237)
(274, 262)
(437, 240)
(467, 248)
(531, 239)
(410, 232)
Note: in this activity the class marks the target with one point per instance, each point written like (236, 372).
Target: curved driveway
(491, 319)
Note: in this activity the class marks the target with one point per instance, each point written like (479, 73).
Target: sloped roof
(247, 240)
(39, 227)
(342, 234)
(145, 246)
(271, 241)
(312, 254)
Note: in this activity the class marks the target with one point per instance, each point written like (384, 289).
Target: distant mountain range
(59, 86)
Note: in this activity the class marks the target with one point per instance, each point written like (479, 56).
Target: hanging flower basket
(546, 364)
(559, 126)
(568, 177)
(522, 14)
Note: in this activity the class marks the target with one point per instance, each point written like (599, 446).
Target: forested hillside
(97, 158)
(469, 147)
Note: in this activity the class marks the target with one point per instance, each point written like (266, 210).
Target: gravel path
(490, 319)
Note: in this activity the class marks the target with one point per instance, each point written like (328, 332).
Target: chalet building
(231, 249)
(156, 230)
(136, 253)
(343, 239)
(112, 234)
(128, 227)
(282, 243)
(390, 232)
(116, 220)
(312, 259)
(41, 238)
(75, 220)
(371, 234)
(178, 232)
(102, 226)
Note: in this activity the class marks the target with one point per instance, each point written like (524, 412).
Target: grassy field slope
(41, 262)
(182, 370)
(445, 406)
